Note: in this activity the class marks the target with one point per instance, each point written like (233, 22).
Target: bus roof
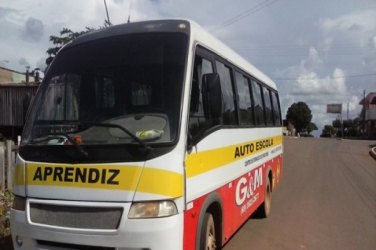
(198, 35)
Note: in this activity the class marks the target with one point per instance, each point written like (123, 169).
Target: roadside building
(16, 92)
(369, 115)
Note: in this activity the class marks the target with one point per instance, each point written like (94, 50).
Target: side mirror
(212, 95)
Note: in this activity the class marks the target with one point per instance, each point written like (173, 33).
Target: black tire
(263, 211)
(208, 239)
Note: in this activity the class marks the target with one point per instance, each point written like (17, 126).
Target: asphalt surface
(326, 200)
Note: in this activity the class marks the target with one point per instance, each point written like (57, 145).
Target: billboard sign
(334, 108)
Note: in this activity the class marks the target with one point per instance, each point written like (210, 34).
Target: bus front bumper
(131, 234)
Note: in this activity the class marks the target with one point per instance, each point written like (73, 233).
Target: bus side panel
(277, 171)
(246, 194)
(191, 218)
(240, 198)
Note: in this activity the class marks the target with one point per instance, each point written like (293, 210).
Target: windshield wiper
(111, 125)
(58, 136)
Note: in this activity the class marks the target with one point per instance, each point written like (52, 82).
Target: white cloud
(22, 61)
(41, 64)
(361, 22)
(313, 60)
(33, 29)
(272, 38)
(314, 87)
(354, 103)
(327, 44)
(310, 82)
(373, 42)
(354, 32)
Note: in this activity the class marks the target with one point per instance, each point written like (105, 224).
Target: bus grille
(75, 216)
(58, 245)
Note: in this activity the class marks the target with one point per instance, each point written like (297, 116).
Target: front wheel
(208, 237)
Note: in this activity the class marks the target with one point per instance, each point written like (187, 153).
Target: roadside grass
(6, 199)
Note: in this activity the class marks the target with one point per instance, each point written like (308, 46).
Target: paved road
(327, 200)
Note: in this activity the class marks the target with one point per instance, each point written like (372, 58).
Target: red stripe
(240, 199)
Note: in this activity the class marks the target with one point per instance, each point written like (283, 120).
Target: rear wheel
(264, 210)
(208, 237)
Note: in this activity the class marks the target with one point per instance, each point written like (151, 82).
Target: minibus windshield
(132, 81)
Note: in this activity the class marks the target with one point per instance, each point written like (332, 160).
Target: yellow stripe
(126, 179)
(130, 178)
(202, 162)
(19, 177)
(161, 182)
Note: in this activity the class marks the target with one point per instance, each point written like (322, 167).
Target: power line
(246, 13)
(325, 56)
(304, 45)
(317, 78)
(297, 50)
(252, 10)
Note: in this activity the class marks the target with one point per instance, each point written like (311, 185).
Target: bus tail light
(154, 209)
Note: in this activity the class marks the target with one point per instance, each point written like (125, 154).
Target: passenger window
(268, 107)
(202, 66)
(197, 121)
(244, 97)
(276, 109)
(258, 104)
(228, 109)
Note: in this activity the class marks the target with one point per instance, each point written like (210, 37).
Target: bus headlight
(153, 209)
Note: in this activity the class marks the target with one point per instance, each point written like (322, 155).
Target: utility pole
(341, 124)
(348, 111)
(364, 113)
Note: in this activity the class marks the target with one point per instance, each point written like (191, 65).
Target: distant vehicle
(149, 135)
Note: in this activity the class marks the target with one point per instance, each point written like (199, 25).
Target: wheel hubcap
(211, 242)
(210, 238)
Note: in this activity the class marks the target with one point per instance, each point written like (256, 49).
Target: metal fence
(8, 151)
(14, 102)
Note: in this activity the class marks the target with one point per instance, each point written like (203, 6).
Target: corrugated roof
(369, 99)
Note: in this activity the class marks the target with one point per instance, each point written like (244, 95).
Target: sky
(317, 51)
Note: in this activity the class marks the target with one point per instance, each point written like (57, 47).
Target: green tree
(311, 126)
(299, 115)
(336, 124)
(67, 35)
(328, 131)
(350, 127)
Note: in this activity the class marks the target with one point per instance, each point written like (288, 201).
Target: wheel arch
(212, 204)
(269, 174)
